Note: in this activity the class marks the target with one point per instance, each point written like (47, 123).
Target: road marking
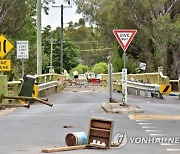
(165, 144)
(145, 127)
(154, 117)
(157, 134)
(141, 120)
(153, 131)
(142, 123)
(173, 149)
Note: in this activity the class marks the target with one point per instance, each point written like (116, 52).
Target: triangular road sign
(124, 37)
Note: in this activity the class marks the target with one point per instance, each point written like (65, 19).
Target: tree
(100, 68)
(153, 19)
(70, 50)
(17, 23)
(81, 69)
(92, 49)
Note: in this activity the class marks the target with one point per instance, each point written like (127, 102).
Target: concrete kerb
(121, 109)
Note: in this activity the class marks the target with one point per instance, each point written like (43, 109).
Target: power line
(97, 49)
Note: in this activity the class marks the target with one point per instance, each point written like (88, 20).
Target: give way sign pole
(124, 37)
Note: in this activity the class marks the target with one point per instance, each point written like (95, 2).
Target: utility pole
(62, 34)
(62, 38)
(51, 56)
(39, 39)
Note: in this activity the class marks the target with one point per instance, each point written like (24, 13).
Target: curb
(121, 109)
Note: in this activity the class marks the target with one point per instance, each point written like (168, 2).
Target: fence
(146, 78)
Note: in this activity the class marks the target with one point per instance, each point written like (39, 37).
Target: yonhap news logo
(121, 139)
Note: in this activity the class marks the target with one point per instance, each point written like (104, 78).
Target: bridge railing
(153, 78)
(146, 78)
(14, 87)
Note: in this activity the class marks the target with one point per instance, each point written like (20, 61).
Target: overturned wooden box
(100, 132)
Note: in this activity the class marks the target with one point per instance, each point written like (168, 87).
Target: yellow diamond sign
(5, 46)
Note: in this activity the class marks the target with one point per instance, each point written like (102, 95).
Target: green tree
(17, 23)
(81, 69)
(100, 68)
(70, 50)
(154, 43)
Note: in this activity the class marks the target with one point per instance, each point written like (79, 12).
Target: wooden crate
(100, 130)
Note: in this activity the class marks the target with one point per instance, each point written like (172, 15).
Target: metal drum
(76, 138)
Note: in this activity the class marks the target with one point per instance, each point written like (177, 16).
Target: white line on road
(141, 120)
(165, 144)
(144, 123)
(173, 149)
(157, 134)
(153, 131)
(145, 127)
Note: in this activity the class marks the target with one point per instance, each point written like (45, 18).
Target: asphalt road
(28, 131)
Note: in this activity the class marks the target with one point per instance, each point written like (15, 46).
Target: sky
(54, 17)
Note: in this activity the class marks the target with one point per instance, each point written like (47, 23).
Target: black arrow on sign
(4, 46)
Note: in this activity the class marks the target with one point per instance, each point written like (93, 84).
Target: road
(28, 131)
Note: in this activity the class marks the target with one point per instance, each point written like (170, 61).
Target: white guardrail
(136, 88)
(47, 85)
(144, 86)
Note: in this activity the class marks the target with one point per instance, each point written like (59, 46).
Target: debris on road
(100, 132)
(68, 126)
(26, 98)
(79, 147)
(76, 138)
(99, 137)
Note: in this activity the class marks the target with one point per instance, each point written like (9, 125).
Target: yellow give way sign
(5, 46)
(5, 65)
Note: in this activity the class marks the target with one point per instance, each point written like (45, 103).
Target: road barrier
(52, 82)
(144, 78)
(46, 83)
(45, 89)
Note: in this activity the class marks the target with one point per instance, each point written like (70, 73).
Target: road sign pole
(124, 56)
(124, 80)
(22, 67)
(62, 38)
(124, 37)
(110, 81)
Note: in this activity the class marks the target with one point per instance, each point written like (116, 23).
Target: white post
(124, 84)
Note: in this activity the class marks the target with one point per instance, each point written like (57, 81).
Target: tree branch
(171, 6)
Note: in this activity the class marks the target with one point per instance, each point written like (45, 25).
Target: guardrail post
(3, 87)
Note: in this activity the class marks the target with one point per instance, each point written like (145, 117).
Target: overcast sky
(54, 17)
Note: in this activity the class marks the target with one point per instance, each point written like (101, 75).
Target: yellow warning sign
(5, 46)
(5, 65)
(165, 89)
